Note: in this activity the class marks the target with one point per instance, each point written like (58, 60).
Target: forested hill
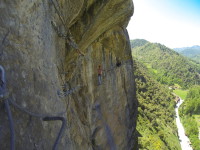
(191, 52)
(137, 43)
(167, 66)
(155, 123)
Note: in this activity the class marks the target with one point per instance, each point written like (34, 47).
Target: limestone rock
(42, 63)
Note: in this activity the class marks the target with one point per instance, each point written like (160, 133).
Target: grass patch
(151, 69)
(181, 93)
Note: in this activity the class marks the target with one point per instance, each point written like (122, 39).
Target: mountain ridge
(168, 66)
(192, 52)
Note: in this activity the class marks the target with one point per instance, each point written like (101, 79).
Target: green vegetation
(137, 43)
(181, 93)
(155, 120)
(156, 123)
(167, 66)
(189, 112)
(197, 118)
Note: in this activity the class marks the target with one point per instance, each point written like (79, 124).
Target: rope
(60, 75)
(4, 96)
(37, 115)
(57, 11)
(68, 36)
(45, 117)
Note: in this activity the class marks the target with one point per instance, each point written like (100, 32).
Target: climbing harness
(44, 117)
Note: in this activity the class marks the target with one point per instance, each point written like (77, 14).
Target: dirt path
(184, 140)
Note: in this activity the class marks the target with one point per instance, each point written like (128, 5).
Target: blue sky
(174, 23)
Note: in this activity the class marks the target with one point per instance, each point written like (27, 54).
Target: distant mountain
(167, 66)
(195, 47)
(138, 42)
(191, 52)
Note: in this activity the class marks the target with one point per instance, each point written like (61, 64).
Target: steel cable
(61, 129)
(44, 117)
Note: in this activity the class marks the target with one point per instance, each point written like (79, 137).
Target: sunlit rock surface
(38, 62)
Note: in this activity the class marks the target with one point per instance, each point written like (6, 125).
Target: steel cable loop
(107, 129)
(46, 117)
(68, 36)
(61, 129)
(35, 114)
(4, 95)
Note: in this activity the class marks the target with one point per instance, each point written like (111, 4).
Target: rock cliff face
(51, 51)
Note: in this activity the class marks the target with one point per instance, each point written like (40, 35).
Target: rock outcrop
(51, 50)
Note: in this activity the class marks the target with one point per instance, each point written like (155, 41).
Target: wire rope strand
(35, 114)
(61, 129)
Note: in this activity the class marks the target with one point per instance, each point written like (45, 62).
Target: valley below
(184, 140)
(163, 76)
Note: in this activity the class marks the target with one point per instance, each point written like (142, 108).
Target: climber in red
(99, 75)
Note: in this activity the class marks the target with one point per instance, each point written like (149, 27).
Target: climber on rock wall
(118, 62)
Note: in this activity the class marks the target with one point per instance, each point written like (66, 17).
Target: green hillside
(137, 43)
(156, 123)
(190, 115)
(166, 65)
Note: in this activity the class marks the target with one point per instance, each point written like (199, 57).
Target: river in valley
(184, 140)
